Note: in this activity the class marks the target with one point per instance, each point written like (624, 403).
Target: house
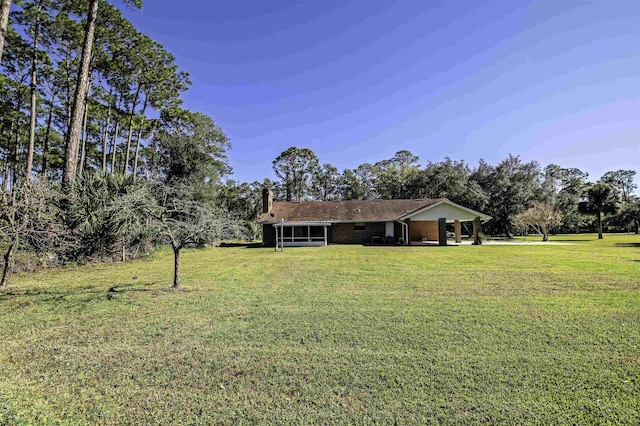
(318, 223)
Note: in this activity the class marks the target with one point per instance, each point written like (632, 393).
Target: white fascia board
(472, 212)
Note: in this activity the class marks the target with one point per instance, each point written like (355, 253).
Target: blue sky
(356, 81)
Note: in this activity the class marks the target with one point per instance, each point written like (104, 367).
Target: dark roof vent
(356, 210)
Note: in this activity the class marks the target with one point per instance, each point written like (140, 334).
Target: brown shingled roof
(344, 211)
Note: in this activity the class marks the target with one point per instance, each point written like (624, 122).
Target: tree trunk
(114, 144)
(45, 148)
(4, 22)
(34, 87)
(105, 136)
(7, 162)
(5, 268)
(176, 265)
(599, 218)
(73, 134)
(130, 130)
(84, 144)
(135, 160)
(85, 118)
(16, 148)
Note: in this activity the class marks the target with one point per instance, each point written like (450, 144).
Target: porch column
(476, 231)
(442, 231)
(325, 235)
(276, 228)
(457, 229)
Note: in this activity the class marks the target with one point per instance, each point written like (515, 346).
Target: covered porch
(301, 234)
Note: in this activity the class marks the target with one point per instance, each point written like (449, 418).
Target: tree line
(80, 89)
(553, 197)
(99, 161)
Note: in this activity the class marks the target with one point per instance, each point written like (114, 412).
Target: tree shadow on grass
(636, 245)
(242, 245)
(78, 296)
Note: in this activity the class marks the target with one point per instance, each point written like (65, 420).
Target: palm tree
(599, 198)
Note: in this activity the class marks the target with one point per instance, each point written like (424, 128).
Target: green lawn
(344, 334)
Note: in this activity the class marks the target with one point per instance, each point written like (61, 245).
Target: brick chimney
(267, 200)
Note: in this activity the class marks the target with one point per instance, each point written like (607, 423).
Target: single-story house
(318, 223)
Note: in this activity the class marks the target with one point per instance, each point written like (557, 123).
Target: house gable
(446, 209)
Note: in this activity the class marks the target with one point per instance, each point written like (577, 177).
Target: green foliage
(453, 180)
(511, 187)
(325, 183)
(622, 180)
(295, 168)
(398, 177)
(191, 147)
(491, 334)
(599, 198)
(99, 214)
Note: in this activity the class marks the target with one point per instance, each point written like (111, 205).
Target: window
(300, 231)
(359, 226)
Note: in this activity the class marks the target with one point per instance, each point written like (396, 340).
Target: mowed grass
(343, 334)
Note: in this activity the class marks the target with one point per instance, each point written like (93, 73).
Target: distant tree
(542, 217)
(599, 198)
(190, 146)
(398, 177)
(452, 179)
(631, 213)
(350, 186)
(243, 201)
(325, 183)
(358, 183)
(563, 188)
(511, 186)
(295, 168)
(622, 180)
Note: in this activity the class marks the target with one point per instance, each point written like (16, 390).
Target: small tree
(183, 219)
(599, 198)
(542, 217)
(28, 218)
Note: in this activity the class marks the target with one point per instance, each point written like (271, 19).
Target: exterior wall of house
(423, 229)
(345, 233)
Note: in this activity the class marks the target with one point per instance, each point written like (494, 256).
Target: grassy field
(344, 334)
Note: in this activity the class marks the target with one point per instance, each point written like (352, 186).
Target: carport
(429, 224)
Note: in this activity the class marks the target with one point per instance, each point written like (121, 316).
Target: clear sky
(357, 80)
